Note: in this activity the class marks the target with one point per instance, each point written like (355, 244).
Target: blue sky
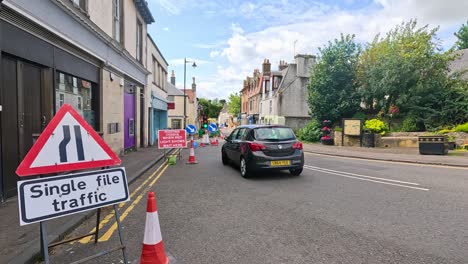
(228, 39)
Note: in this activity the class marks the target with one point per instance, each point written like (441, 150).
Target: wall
(53, 15)
(296, 122)
(293, 98)
(100, 12)
(130, 24)
(113, 110)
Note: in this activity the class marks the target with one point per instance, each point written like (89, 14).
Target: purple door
(129, 118)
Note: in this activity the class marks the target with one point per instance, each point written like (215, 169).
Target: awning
(158, 103)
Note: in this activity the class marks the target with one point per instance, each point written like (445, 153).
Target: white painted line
(364, 176)
(364, 179)
(388, 161)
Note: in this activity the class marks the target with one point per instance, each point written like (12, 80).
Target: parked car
(263, 147)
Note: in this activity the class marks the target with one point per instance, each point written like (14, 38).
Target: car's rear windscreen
(274, 133)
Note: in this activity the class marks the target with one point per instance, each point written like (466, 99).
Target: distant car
(263, 147)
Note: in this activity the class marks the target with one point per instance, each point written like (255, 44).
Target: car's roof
(258, 126)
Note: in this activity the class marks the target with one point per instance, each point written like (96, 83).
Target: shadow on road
(266, 175)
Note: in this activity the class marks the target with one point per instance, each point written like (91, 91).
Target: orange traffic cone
(191, 159)
(153, 247)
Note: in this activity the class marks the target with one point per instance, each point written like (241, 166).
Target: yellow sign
(352, 127)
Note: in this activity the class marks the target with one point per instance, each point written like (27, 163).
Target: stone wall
(296, 122)
(337, 137)
(112, 110)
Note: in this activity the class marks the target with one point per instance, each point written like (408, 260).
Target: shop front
(157, 117)
(36, 78)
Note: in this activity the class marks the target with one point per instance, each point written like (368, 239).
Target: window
(82, 95)
(117, 20)
(81, 4)
(274, 133)
(176, 123)
(139, 42)
(240, 134)
(155, 71)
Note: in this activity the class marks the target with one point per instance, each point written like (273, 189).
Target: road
(339, 210)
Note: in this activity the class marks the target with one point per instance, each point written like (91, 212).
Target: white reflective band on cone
(152, 230)
(192, 151)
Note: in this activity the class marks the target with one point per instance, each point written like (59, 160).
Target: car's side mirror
(228, 138)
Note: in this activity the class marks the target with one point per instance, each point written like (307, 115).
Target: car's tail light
(256, 146)
(297, 145)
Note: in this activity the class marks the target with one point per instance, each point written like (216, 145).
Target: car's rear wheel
(224, 158)
(244, 168)
(296, 172)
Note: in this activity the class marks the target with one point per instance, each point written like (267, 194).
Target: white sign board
(52, 197)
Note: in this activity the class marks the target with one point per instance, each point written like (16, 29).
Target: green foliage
(406, 69)
(462, 128)
(210, 108)
(462, 37)
(409, 124)
(234, 104)
(338, 129)
(311, 132)
(360, 115)
(445, 131)
(332, 87)
(375, 126)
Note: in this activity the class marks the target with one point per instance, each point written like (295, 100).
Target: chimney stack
(266, 67)
(282, 65)
(173, 78)
(194, 85)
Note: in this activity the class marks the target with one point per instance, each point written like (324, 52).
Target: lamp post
(185, 79)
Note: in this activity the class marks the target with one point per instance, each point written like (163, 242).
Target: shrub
(360, 115)
(338, 129)
(409, 124)
(462, 128)
(311, 132)
(375, 126)
(445, 131)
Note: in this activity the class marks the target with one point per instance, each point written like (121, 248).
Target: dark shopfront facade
(38, 73)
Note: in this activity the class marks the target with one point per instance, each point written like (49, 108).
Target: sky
(228, 39)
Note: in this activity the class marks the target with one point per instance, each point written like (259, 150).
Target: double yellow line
(107, 235)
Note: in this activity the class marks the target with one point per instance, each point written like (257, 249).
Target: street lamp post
(185, 80)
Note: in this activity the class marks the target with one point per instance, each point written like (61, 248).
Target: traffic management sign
(52, 197)
(67, 143)
(191, 129)
(212, 127)
(176, 138)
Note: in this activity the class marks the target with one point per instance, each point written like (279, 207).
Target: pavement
(407, 155)
(340, 210)
(21, 244)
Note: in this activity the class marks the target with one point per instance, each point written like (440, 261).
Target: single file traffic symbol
(67, 143)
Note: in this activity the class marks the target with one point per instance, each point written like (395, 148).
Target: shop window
(81, 94)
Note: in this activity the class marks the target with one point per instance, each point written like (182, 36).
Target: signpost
(168, 139)
(191, 129)
(212, 128)
(352, 127)
(69, 143)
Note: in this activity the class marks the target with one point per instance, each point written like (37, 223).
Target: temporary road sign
(191, 129)
(67, 143)
(52, 197)
(175, 138)
(212, 127)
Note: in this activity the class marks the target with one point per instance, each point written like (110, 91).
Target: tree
(234, 104)
(332, 87)
(462, 37)
(210, 108)
(406, 69)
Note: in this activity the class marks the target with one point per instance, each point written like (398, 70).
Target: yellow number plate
(281, 163)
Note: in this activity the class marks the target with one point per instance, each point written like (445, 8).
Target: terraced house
(92, 54)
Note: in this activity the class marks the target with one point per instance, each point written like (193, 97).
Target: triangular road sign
(68, 143)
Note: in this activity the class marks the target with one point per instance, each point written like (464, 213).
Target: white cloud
(313, 24)
(166, 29)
